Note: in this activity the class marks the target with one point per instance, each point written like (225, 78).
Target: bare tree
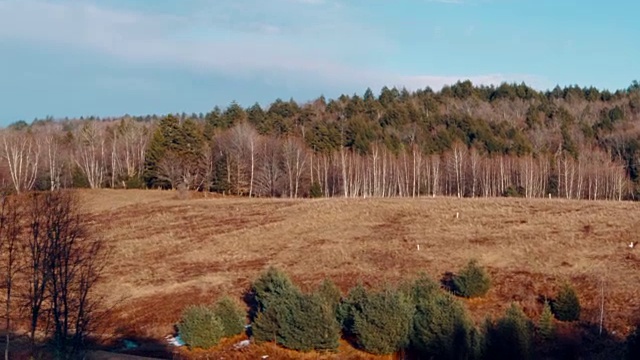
(133, 139)
(295, 158)
(172, 170)
(90, 153)
(74, 265)
(36, 250)
(54, 161)
(22, 153)
(269, 174)
(10, 234)
(64, 264)
(243, 141)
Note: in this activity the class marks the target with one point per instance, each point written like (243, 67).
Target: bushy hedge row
(418, 316)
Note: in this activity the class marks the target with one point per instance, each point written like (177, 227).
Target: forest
(462, 141)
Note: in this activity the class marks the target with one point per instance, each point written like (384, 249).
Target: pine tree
(472, 281)
(441, 328)
(164, 139)
(330, 294)
(231, 316)
(511, 337)
(566, 306)
(381, 322)
(200, 327)
(546, 327)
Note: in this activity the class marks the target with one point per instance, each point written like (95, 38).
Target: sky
(114, 57)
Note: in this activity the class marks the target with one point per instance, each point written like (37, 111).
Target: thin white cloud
(457, 2)
(225, 37)
(310, 2)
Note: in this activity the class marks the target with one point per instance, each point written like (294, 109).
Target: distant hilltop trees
(463, 141)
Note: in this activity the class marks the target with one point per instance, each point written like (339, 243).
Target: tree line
(463, 141)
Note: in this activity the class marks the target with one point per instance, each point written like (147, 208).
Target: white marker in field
(418, 245)
(457, 215)
(632, 245)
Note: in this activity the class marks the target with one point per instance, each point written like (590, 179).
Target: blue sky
(111, 57)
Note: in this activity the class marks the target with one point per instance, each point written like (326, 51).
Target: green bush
(471, 281)
(299, 322)
(316, 190)
(199, 327)
(514, 191)
(511, 337)
(442, 329)
(272, 286)
(566, 306)
(422, 288)
(380, 322)
(349, 306)
(633, 345)
(546, 327)
(135, 183)
(330, 294)
(231, 316)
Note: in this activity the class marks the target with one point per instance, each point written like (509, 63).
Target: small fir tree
(199, 327)
(472, 281)
(231, 316)
(546, 327)
(566, 306)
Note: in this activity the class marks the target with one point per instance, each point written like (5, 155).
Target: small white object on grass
(242, 344)
(632, 245)
(174, 340)
(457, 215)
(418, 246)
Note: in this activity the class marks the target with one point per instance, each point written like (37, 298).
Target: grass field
(168, 253)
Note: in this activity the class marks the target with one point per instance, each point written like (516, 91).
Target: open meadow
(167, 253)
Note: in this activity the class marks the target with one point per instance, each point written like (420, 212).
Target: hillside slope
(167, 253)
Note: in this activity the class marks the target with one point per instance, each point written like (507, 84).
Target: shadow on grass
(135, 345)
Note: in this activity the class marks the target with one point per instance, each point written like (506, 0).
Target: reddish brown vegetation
(168, 253)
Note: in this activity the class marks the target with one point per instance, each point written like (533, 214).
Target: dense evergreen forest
(463, 141)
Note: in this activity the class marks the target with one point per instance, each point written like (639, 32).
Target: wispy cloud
(457, 2)
(306, 43)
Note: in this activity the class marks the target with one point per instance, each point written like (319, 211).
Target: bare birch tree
(89, 153)
(22, 154)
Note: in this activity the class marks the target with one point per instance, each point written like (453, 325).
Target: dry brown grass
(168, 253)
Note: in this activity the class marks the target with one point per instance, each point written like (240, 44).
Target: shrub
(477, 344)
(199, 327)
(316, 190)
(511, 337)
(381, 322)
(135, 183)
(442, 329)
(423, 287)
(231, 316)
(472, 281)
(272, 286)
(514, 191)
(349, 306)
(566, 306)
(330, 294)
(633, 345)
(302, 322)
(546, 327)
